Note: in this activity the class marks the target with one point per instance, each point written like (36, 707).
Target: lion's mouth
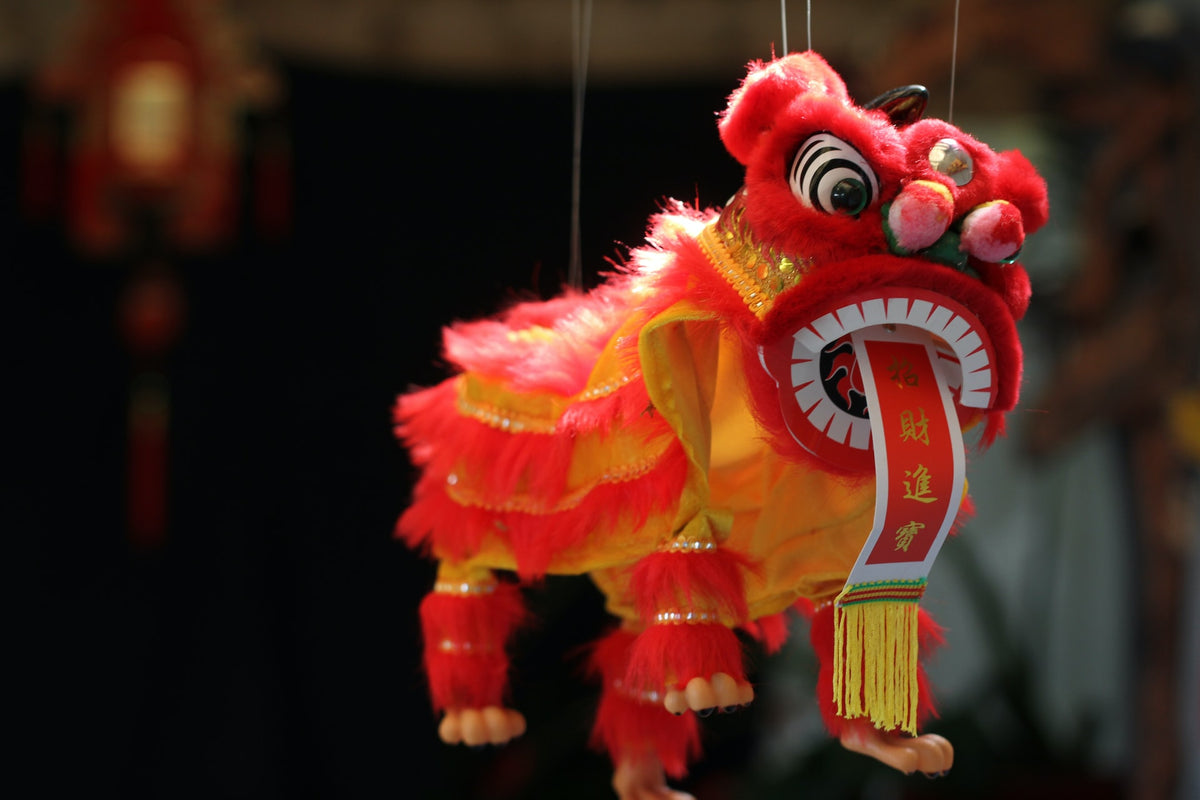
(822, 395)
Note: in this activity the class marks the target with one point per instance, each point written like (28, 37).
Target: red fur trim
(453, 531)
(668, 656)
(771, 631)
(625, 725)
(703, 581)
(758, 104)
(464, 638)
(929, 638)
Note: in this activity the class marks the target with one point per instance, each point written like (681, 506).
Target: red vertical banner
(919, 462)
(919, 474)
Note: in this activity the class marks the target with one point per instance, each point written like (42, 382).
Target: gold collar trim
(757, 273)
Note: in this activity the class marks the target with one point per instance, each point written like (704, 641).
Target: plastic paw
(929, 753)
(643, 778)
(705, 695)
(480, 726)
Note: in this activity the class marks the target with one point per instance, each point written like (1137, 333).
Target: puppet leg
(927, 753)
(466, 621)
(645, 743)
(690, 595)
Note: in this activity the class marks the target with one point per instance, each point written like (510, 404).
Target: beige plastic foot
(704, 695)
(476, 726)
(927, 753)
(642, 778)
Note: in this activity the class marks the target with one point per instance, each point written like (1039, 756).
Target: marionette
(761, 410)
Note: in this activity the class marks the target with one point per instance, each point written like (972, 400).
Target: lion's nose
(993, 232)
(919, 216)
(921, 220)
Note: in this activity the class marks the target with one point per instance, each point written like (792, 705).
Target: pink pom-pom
(920, 215)
(993, 232)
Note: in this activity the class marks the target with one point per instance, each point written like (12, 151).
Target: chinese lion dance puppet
(761, 410)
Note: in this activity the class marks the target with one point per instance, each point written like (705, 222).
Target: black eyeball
(829, 175)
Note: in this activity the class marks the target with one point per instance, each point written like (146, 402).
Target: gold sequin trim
(503, 419)
(757, 273)
(606, 388)
(464, 588)
(462, 648)
(528, 505)
(688, 544)
(651, 696)
(674, 617)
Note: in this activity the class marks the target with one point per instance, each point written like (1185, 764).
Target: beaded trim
(464, 587)
(512, 422)
(652, 696)
(756, 272)
(620, 473)
(606, 388)
(504, 420)
(452, 647)
(687, 544)
(686, 617)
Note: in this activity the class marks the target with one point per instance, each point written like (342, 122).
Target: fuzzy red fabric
(668, 656)
(821, 634)
(631, 724)
(770, 631)
(465, 638)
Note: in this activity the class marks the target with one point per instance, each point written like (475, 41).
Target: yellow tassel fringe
(875, 653)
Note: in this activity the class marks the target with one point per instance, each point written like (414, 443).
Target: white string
(953, 63)
(581, 28)
(783, 19)
(808, 15)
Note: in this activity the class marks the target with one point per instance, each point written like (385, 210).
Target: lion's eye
(829, 175)
(952, 159)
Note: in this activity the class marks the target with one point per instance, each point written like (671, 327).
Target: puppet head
(857, 216)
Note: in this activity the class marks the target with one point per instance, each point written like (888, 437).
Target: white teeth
(851, 317)
(828, 327)
(810, 395)
(961, 355)
(955, 330)
(919, 312)
(823, 413)
(873, 312)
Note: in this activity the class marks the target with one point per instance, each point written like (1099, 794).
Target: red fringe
(668, 656)
(436, 522)
(474, 676)
(929, 638)
(703, 581)
(771, 631)
(627, 726)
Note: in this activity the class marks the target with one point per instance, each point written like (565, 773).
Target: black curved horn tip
(903, 105)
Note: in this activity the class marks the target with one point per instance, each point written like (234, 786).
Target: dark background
(269, 647)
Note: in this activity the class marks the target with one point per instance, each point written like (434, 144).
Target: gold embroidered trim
(464, 588)
(674, 617)
(757, 273)
(688, 544)
(619, 473)
(504, 420)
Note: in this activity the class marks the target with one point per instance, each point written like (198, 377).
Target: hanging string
(581, 30)
(953, 63)
(808, 20)
(783, 20)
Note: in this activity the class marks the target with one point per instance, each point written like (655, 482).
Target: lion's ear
(903, 105)
(767, 90)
